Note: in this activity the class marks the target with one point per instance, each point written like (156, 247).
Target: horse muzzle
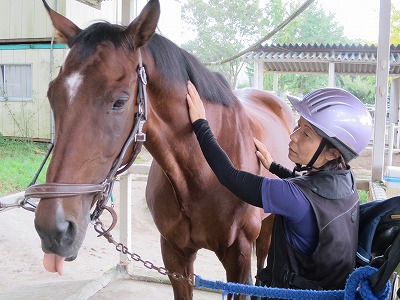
(60, 228)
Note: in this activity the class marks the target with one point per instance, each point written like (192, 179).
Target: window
(15, 82)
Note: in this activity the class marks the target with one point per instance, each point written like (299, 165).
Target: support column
(128, 11)
(125, 214)
(331, 80)
(395, 107)
(382, 76)
(276, 83)
(258, 75)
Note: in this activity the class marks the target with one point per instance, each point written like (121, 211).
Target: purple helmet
(338, 116)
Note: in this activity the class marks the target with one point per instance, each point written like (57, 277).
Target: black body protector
(335, 201)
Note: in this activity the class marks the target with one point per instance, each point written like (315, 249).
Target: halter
(103, 190)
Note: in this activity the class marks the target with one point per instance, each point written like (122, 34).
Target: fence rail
(393, 141)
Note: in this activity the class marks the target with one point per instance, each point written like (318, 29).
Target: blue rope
(357, 285)
(270, 292)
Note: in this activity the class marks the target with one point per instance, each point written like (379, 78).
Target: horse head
(94, 99)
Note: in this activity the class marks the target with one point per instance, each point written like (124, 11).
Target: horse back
(257, 101)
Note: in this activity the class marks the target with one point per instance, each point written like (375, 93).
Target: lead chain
(98, 226)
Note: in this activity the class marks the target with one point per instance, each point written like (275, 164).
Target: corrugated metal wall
(32, 118)
(24, 19)
(27, 19)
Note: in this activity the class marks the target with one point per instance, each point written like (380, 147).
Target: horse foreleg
(262, 246)
(179, 262)
(237, 263)
(263, 243)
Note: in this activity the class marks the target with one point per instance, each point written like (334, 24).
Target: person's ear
(332, 154)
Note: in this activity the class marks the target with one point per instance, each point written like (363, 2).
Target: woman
(314, 238)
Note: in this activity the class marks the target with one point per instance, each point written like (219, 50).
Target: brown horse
(95, 98)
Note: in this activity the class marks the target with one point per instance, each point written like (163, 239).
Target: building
(30, 57)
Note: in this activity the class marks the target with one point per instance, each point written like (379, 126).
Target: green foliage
(363, 196)
(19, 161)
(313, 26)
(395, 27)
(362, 87)
(223, 29)
(301, 84)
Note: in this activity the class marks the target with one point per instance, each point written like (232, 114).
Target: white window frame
(21, 88)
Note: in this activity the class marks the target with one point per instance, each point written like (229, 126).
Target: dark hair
(336, 164)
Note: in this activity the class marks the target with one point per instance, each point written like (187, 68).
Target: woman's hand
(196, 107)
(263, 154)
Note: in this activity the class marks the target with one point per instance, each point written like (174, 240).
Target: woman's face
(304, 142)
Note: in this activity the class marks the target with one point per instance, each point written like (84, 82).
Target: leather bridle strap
(62, 190)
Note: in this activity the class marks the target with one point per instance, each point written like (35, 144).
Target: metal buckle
(140, 137)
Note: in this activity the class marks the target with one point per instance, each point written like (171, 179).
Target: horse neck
(172, 142)
(168, 128)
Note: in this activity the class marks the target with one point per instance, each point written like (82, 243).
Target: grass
(19, 162)
(363, 196)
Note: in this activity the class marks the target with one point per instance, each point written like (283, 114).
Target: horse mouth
(72, 258)
(54, 263)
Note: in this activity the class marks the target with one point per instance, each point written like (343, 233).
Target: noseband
(102, 191)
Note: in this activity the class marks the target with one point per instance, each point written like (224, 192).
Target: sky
(360, 18)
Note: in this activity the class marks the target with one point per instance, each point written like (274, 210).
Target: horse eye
(119, 104)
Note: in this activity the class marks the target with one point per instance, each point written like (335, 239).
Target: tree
(226, 27)
(395, 27)
(313, 26)
(361, 86)
(223, 28)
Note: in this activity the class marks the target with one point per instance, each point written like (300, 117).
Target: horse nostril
(65, 233)
(62, 234)
(70, 233)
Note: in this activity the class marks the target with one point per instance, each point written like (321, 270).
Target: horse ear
(143, 27)
(67, 29)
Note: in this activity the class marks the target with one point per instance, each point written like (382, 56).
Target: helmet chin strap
(309, 166)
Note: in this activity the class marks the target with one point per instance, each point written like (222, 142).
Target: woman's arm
(281, 171)
(243, 184)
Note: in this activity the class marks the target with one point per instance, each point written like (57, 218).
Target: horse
(121, 87)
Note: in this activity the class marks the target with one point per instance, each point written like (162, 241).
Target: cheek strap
(309, 166)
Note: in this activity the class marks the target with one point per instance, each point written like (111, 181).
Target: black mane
(101, 32)
(172, 62)
(177, 64)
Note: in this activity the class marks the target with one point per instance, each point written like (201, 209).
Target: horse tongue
(53, 263)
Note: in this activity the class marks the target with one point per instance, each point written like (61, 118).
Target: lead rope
(357, 284)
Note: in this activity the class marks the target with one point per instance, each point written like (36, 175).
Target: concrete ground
(93, 275)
